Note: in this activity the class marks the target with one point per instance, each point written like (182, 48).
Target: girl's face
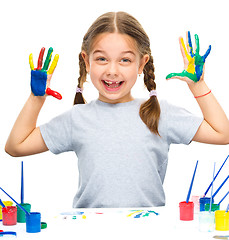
(114, 64)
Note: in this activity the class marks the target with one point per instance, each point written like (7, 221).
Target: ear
(86, 60)
(143, 62)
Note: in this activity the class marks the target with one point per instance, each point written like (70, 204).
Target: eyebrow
(124, 52)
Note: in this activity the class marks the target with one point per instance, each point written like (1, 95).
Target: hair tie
(153, 93)
(80, 90)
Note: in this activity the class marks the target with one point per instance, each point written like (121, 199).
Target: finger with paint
(48, 59)
(200, 60)
(39, 75)
(31, 61)
(193, 62)
(189, 44)
(40, 59)
(53, 65)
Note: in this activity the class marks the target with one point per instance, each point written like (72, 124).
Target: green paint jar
(21, 215)
(214, 207)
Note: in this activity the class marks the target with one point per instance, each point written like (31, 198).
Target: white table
(115, 224)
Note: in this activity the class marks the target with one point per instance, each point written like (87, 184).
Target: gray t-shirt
(121, 163)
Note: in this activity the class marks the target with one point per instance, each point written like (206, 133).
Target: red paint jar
(186, 211)
(9, 215)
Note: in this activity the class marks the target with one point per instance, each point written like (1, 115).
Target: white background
(51, 181)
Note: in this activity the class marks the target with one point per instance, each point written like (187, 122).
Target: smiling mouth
(112, 84)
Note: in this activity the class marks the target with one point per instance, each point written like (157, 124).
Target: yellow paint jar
(222, 220)
(7, 204)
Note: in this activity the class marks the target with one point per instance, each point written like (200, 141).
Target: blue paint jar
(203, 201)
(33, 222)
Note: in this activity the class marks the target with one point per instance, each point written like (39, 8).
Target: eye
(125, 60)
(102, 59)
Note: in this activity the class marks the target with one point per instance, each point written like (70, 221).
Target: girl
(121, 143)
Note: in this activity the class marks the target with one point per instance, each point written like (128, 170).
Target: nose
(112, 70)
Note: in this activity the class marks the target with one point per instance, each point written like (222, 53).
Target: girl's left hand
(193, 62)
(41, 76)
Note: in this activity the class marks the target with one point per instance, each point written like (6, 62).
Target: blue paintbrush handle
(190, 188)
(210, 208)
(215, 176)
(15, 202)
(227, 208)
(1, 203)
(223, 198)
(22, 183)
(220, 187)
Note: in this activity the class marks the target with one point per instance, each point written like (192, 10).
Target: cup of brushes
(222, 220)
(33, 219)
(186, 207)
(9, 214)
(207, 218)
(21, 213)
(3, 204)
(205, 201)
(210, 217)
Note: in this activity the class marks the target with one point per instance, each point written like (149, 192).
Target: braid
(150, 110)
(81, 80)
(149, 75)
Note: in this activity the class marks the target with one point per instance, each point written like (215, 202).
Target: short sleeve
(182, 125)
(57, 133)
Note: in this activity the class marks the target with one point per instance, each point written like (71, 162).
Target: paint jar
(21, 218)
(204, 201)
(196, 201)
(206, 221)
(186, 211)
(214, 207)
(9, 215)
(6, 203)
(33, 222)
(221, 220)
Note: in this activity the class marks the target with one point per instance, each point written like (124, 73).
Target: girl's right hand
(193, 62)
(40, 77)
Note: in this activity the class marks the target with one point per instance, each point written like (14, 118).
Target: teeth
(113, 84)
(108, 82)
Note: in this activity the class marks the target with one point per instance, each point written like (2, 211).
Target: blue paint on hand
(38, 82)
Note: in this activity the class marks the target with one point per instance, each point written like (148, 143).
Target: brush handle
(190, 188)
(223, 198)
(15, 202)
(227, 208)
(210, 208)
(22, 183)
(215, 176)
(1, 203)
(220, 187)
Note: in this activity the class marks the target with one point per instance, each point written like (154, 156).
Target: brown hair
(124, 23)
